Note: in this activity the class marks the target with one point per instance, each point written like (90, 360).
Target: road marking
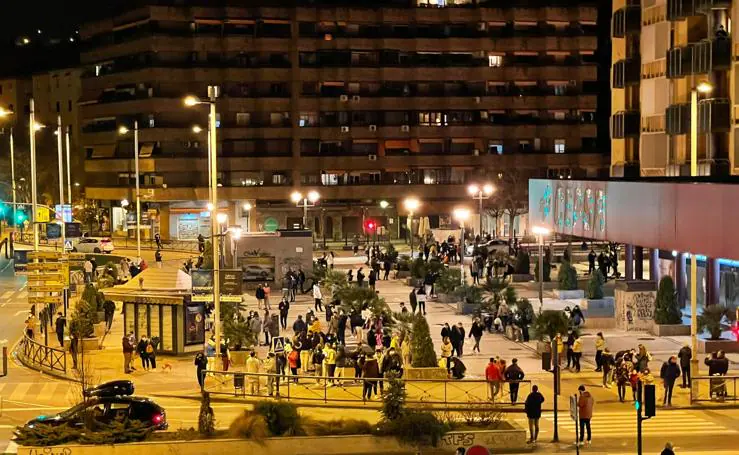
(47, 391)
(7, 294)
(618, 424)
(20, 312)
(20, 391)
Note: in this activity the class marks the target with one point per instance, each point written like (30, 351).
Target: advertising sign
(194, 323)
(63, 213)
(72, 230)
(53, 231)
(42, 214)
(202, 285)
(231, 281)
(258, 268)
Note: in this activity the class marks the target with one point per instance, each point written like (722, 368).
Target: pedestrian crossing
(12, 297)
(605, 424)
(31, 393)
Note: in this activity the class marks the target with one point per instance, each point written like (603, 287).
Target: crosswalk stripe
(20, 391)
(7, 294)
(48, 390)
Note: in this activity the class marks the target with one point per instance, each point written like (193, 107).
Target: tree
(422, 347)
(514, 192)
(85, 317)
(494, 208)
(523, 263)
(567, 277)
(88, 215)
(206, 416)
(449, 279)
(712, 320)
(595, 285)
(549, 323)
(235, 328)
(355, 299)
(393, 401)
(666, 310)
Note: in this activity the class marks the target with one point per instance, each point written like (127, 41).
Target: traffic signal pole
(639, 419)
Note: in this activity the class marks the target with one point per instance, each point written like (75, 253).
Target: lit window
(495, 61)
(559, 146)
(242, 118)
(329, 179)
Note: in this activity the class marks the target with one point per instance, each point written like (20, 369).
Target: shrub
(393, 402)
(666, 310)
(469, 294)
(595, 285)
(567, 277)
(523, 263)
(416, 428)
(85, 315)
(249, 425)
(340, 427)
(117, 433)
(355, 299)
(206, 416)
(281, 418)
(547, 275)
(404, 264)
(711, 320)
(418, 268)
(510, 296)
(422, 347)
(526, 310)
(391, 253)
(449, 279)
(549, 323)
(46, 435)
(479, 413)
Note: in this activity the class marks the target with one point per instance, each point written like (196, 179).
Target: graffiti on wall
(571, 207)
(635, 310)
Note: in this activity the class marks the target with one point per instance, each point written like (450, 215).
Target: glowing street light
(461, 214)
(309, 200)
(480, 193)
(123, 130)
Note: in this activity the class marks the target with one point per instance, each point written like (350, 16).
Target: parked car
(109, 402)
(93, 245)
(492, 246)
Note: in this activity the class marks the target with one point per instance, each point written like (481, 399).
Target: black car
(109, 402)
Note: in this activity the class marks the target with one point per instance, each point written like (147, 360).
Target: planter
(238, 358)
(413, 282)
(446, 298)
(425, 373)
(91, 344)
(569, 295)
(467, 308)
(708, 346)
(522, 277)
(99, 329)
(669, 330)
(598, 308)
(100, 315)
(497, 441)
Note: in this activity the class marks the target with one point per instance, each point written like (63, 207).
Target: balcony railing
(681, 9)
(714, 115)
(626, 72)
(711, 55)
(625, 124)
(626, 20)
(678, 119)
(705, 6)
(679, 62)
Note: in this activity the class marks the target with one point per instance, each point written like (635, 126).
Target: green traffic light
(637, 405)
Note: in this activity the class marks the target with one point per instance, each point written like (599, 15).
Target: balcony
(626, 72)
(681, 9)
(626, 21)
(678, 119)
(705, 6)
(625, 124)
(714, 115)
(679, 62)
(711, 55)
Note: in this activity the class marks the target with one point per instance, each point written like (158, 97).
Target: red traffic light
(370, 225)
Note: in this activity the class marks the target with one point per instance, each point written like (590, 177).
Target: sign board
(271, 224)
(202, 285)
(573, 408)
(258, 268)
(72, 230)
(53, 231)
(63, 213)
(33, 278)
(48, 287)
(45, 300)
(230, 285)
(45, 266)
(68, 245)
(42, 215)
(278, 344)
(44, 255)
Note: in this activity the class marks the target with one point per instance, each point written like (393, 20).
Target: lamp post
(705, 88)
(236, 232)
(384, 205)
(60, 162)
(540, 233)
(123, 131)
(247, 208)
(411, 204)
(305, 201)
(191, 101)
(6, 113)
(33, 128)
(69, 168)
(480, 194)
(461, 215)
(222, 219)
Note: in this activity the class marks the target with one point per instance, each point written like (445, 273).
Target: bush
(404, 264)
(117, 433)
(469, 294)
(206, 416)
(422, 347)
(547, 269)
(393, 402)
(249, 425)
(523, 263)
(418, 268)
(549, 323)
(666, 310)
(711, 320)
(391, 253)
(567, 277)
(340, 427)
(416, 428)
(478, 413)
(526, 310)
(449, 279)
(282, 418)
(355, 299)
(85, 316)
(46, 435)
(595, 285)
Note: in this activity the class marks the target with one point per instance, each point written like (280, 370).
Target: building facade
(662, 51)
(359, 104)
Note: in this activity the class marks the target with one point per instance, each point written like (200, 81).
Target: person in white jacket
(318, 297)
(252, 366)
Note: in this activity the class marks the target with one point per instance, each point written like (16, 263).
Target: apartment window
(559, 146)
(524, 145)
(279, 179)
(151, 120)
(495, 147)
(307, 119)
(431, 119)
(58, 107)
(69, 105)
(243, 118)
(329, 179)
(1, 89)
(559, 115)
(279, 118)
(495, 61)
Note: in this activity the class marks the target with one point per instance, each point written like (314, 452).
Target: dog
(167, 366)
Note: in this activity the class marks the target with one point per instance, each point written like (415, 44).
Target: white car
(492, 246)
(93, 245)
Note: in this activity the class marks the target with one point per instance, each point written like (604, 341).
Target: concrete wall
(635, 309)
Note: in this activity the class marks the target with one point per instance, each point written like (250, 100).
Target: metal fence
(446, 393)
(714, 389)
(35, 354)
(187, 246)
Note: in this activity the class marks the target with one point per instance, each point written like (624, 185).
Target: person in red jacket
(493, 376)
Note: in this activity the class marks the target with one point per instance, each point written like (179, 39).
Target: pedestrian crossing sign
(67, 245)
(278, 344)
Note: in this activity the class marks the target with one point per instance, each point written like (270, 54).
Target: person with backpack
(669, 374)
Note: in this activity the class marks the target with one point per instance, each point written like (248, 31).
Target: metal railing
(36, 355)
(349, 390)
(713, 389)
(187, 246)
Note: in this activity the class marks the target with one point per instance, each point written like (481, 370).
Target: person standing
(151, 352)
(413, 300)
(591, 262)
(293, 360)
(493, 377)
(73, 349)
(301, 280)
(59, 325)
(533, 412)
(284, 308)
(513, 375)
(341, 328)
(446, 351)
(109, 309)
(585, 404)
(476, 331)
(370, 373)
(87, 266)
(372, 279)
(600, 344)
(642, 359)
(141, 349)
(360, 277)
(685, 355)
(299, 326)
(606, 362)
(421, 299)
(201, 364)
(259, 294)
(576, 352)
(460, 343)
(669, 374)
(454, 337)
(266, 327)
(158, 258)
(252, 368)
(158, 240)
(127, 353)
(387, 265)
(267, 293)
(317, 297)
(329, 357)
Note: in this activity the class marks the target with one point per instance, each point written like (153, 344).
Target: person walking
(606, 362)
(568, 344)
(576, 353)
(259, 294)
(158, 240)
(127, 353)
(476, 331)
(284, 308)
(513, 375)
(685, 355)
(585, 404)
(252, 368)
(455, 337)
(669, 374)
(201, 364)
(317, 297)
(493, 376)
(387, 265)
(412, 299)
(533, 412)
(109, 309)
(370, 373)
(600, 344)
(59, 325)
(158, 258)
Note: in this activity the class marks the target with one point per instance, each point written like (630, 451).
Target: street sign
(278, 344)
(573, 408)
(45, 255)
(53, 231)
(45, 266)
(56, 287)
(271, 224)
(42, 215)
(76, 257)
(45, 300)
(72, 230)
(68, 245)
(34, 278)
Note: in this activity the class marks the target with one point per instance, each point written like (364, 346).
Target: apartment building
(416, 98)
(663, 50)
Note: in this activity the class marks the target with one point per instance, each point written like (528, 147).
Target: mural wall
(635, 310)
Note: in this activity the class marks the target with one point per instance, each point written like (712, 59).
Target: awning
(103, 151)
(147, 149)
(153, 286)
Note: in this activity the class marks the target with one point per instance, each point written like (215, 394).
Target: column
(681, 281)
(639, 263)
(629, 263)
(654, 265)
(712, 281)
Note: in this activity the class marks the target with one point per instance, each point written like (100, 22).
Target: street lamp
(247, 208)
(123, 130)
(191, 101)
(480, 193)
(704, 88)
(33, 128)
(540, 233)
(383, 206)
(6, 113)
(411, 204)
(461, 215)
(235, 232)
(304, 202)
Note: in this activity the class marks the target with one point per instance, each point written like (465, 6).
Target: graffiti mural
(570, 207)
(635, 310)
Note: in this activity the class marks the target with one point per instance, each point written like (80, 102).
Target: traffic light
(370, 226)
(20, 217)
(650, 400)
